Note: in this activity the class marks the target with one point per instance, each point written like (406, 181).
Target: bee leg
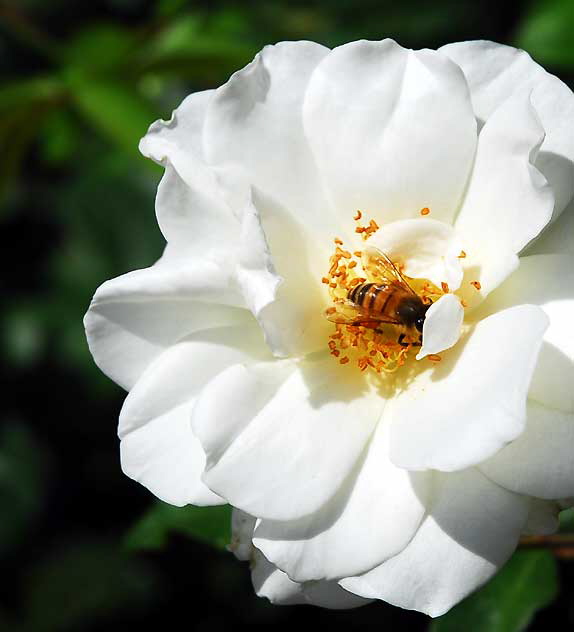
(419, 342)
(401, 341)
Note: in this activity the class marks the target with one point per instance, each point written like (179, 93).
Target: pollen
(445, 287)
(370, 345)
(425, 210)
(462, 254)
(434, 357)
(365, 231)
(476, 284)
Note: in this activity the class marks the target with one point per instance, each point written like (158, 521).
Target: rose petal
(542, 518)
(547, 281)
(254, 121)
(508, 201)
(427, 248)
(264, 430)
(158, 447)
(557, 238)
(363, 532)
(474, 401)
(135, 317)
(191, 206)
(442, 326)
(539, 462)
(165, 457)
(472, 529)
(183, 132)
(196, 220)
(495, 72)
(276, 586)
(392, 130)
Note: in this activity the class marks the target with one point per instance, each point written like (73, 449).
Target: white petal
(442, 326)
(472, 529)
(276, 586)
(370, 519)
(208, 213)
(242, 525)
(542, 518)
(558, 238)
(255, 121)
(165, 457)
(539, 462)
(474, 401)
(547, 281)
(508, 201)
(135, 317)
(179, 141)
(256, 272)
(158, 446)
(195, 219)
(392, 130)
(293, 322)
(427, 248)
(494, 73)
(264, 430)
(191, 206)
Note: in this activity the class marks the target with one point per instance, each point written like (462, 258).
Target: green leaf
(567, 520)
(195, 48)
(528, 583)
(101, 47)
(23, 467)
(15, 94)
(207, 524)
(114, 108)
(84, 581)
(546, 33)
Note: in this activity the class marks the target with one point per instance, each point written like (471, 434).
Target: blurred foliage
(507, 603)
(79, 85)
(211, 525)
(23, 476)
(546, 33)
(83, 581)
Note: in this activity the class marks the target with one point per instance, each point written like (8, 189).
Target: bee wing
(382, 270)
(347, 313)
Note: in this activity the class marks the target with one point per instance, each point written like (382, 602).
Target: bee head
(412, 312)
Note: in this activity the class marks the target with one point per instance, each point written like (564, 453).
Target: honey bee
(385, 298)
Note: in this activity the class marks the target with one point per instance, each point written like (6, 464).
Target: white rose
(372, 469)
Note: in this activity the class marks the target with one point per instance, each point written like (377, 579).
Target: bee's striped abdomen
(370, 296)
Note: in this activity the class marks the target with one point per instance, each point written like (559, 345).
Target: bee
(385, 298)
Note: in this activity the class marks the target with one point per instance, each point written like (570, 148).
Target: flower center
(377, 311)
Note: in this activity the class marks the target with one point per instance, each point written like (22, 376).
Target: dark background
(79, 84)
